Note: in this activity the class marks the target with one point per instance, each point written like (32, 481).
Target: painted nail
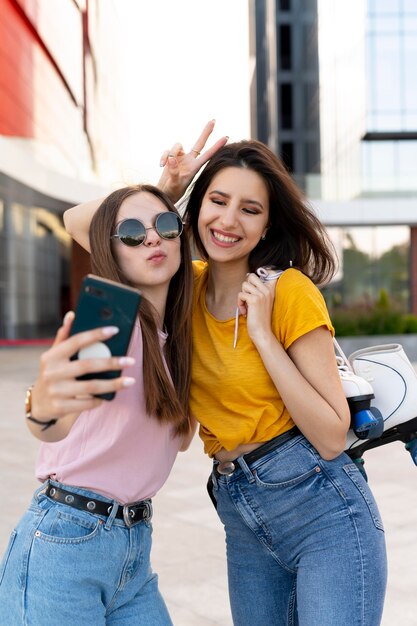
(127, 360)
(128, 382)
(108, 331)
(67, 316)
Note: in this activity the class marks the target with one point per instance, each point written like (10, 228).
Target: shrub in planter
(379, 319)
(410, 323)
(381, 322)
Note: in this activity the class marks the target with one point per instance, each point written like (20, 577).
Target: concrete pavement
(189, 552)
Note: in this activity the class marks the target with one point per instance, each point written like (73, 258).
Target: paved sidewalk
(188, 548)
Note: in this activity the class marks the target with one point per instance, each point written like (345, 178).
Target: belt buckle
(226, 468)
(129, 513)
(147, 515)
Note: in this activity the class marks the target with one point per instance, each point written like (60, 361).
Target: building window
(287, 154)
(286, 106)
(285, 47)
(309, 6)
(391, 53)
(285, 5)
(389, 166)
(312, 157)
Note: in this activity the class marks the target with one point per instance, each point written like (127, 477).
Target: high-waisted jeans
(66, 567)
(305, 541)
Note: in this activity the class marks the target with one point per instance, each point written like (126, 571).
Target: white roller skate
(393, 383)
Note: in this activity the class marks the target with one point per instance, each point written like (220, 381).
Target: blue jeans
(305, 541)
(66, 567)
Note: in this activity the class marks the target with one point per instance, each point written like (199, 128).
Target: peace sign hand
(180, 167)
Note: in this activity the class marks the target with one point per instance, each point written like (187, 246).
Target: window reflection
(385, 6)
(389, 166)
(410, 6)
(391, 54)
(371, 260)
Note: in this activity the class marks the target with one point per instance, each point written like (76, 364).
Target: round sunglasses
(132, 232)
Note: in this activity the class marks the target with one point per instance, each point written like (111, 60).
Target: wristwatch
(28, 412)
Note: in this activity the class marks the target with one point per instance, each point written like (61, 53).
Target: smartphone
(104, 302)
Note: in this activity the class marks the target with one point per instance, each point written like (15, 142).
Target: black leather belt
(226, 468)
(130, 513)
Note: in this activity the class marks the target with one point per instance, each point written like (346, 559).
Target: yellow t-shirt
(232, 394)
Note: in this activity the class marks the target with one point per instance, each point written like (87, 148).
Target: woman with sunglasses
(305, 542)
(81, 553)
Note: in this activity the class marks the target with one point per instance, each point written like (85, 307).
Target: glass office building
(344, 121)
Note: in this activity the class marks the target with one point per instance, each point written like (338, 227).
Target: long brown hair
(167, 401)
(294, 233)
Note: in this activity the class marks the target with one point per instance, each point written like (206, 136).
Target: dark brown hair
(294, 233)
(167, 401)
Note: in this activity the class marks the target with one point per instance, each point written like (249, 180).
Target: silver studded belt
(130, 513)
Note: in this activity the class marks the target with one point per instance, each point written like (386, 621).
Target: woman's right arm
(58, 395)
(78, 219)
(180, 167)
(305, 375)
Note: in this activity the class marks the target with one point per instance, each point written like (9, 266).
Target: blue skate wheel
(377, 428)
(363, 421)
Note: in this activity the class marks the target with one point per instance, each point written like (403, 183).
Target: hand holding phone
(104, 302)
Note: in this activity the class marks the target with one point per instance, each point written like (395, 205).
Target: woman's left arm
(306, 377)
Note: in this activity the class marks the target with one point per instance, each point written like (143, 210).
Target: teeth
(223, 238)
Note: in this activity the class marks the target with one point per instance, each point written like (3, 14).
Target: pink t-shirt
(117, 449)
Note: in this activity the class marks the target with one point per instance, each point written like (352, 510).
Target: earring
(263, 237)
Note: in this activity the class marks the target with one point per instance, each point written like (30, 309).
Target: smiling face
(151, 265)
(234, 215)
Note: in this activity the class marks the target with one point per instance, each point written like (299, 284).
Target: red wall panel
(39, 99)
(59, 26)
(16, 70)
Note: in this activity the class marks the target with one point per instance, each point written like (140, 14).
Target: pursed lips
(157, 255)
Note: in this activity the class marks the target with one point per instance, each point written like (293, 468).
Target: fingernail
(213, 120)
(108, 331)
(67, 316)
(128, 382)
(127, 360)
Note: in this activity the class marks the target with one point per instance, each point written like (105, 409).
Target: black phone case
(103, 302)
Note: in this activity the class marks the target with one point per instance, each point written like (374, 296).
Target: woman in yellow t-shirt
(305, 542)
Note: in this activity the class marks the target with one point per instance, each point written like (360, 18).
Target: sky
(189, 63)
